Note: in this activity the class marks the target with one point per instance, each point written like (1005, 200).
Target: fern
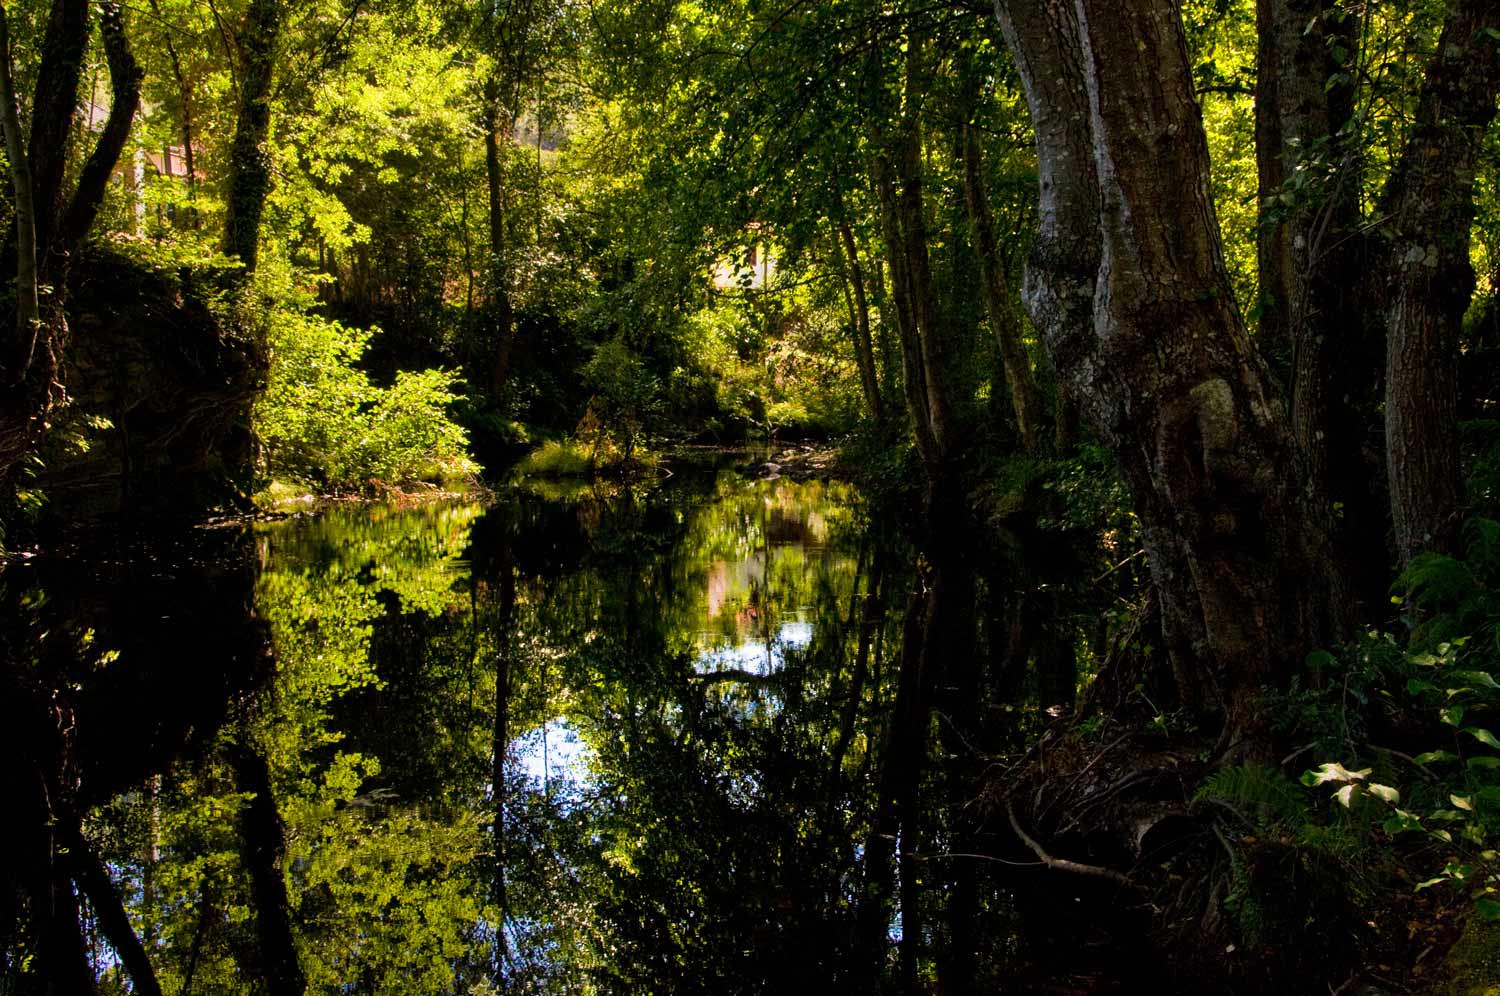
(1273, 796)
(1454, 597)
(1482, 549)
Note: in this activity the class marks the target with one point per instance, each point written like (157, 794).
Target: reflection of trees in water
(724, 829)
(102, 663)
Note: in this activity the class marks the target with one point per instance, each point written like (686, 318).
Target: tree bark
(1156, 352)
(53, 108)
(125, 96)
(1429, 198)
(864, 348)
(18, 358)
(504, 635)
(497, 136)
(1025, 401)
(94, 881)
(185, 109)
(1319, 324)
(249, 162)
(896, 174)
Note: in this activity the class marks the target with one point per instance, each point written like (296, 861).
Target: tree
(1128, 286)
(50, 222)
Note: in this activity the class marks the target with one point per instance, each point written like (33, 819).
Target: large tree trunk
(1161, 362)
(1318, 324)
(1430, 201)
(249, 162)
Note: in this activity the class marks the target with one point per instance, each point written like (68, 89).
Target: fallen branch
(1063, 864)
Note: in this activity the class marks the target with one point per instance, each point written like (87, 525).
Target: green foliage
(1456, 597)
(322, 420)
(556, 458)
(1268, 793)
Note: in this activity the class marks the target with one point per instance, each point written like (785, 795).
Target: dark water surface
(278, 746)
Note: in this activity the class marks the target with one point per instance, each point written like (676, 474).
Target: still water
(619, 739)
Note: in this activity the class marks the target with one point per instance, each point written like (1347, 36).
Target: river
(283, 737)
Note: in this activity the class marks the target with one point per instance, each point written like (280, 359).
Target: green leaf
(1483, 736)
(1487, 761)
(1478, 677)
(1461, 802)
(1385, 793)
(1487, 908)
(1436, 756)
(1452, 715)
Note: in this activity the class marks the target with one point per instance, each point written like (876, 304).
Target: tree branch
(1063, 864)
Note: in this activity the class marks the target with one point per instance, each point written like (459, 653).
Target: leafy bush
(1430, 799)
(322, 421)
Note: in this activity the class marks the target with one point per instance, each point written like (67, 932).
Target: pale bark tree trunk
(1156, 352)
(1430, 201)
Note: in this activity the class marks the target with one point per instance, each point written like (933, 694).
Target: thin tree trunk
(901, 762)
(264, 841)
(896, 174)
(1430, 198)
(864, 347)
(125, 96)
(504, 636)
(185, 100)
(18, 358)
(249, 161)
(1025, 401)
(497, 126)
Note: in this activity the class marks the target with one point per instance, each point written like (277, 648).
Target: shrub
(322, 421)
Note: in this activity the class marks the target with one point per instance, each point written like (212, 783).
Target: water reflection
(666, 671)
(660, 738)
